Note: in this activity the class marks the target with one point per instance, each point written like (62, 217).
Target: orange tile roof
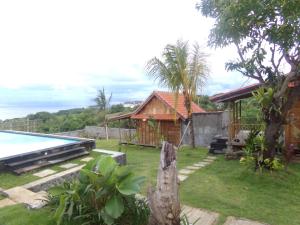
(168, 98)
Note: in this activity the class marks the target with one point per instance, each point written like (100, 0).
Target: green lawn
(224, 187)
(145, 160)
(230, 189)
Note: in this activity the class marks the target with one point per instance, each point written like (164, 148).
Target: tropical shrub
(254, 153)
(104, 194)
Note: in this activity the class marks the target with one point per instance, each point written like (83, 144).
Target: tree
(266, 34)
(204, 102)
(182, 71)
(117, 108)
(101, 100)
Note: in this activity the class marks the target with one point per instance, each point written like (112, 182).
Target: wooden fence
(21, 125)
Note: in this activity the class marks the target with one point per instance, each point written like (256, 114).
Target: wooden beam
(120, 138)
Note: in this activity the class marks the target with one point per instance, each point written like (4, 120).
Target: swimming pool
(19, 150)
(13, 144)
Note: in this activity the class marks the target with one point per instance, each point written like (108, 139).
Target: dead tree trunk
(164, 201)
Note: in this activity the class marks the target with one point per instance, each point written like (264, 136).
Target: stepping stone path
(86, 159)
(192, 167)
(68, 165)
(199, 216)
(182, 177)
(183, 173)
(44, 173)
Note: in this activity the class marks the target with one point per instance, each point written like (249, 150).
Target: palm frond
(180, 69)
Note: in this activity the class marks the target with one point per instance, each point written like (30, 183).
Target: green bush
(103, 194)
(254, 152)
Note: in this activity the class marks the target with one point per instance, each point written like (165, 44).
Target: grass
(19, 215)
(231, 190)
(224, 187)
(145, 160)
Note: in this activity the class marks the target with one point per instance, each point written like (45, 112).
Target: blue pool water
(13, 144)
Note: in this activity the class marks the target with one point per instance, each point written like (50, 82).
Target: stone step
(68, 165)
(182, 177)
(211, 157)
(44, 173)
(199, 216)
(185, 172)
(201, 164)
(193, 167)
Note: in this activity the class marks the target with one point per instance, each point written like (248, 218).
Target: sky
(56, 54)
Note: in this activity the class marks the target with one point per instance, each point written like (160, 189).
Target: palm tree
(182, 71)
(102, 101)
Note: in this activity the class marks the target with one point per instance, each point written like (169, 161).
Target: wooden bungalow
(160, 118)
(233, 99)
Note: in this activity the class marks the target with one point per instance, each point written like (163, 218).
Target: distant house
(160, 117)
(132, 104)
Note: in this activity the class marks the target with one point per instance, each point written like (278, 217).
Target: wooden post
(129, 123)
(27, 125)
(34, 126)
(120, 137)
(185, 130)
(164, 200)
(106, 131)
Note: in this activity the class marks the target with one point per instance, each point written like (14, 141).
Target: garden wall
(99, 132)
(206, 126)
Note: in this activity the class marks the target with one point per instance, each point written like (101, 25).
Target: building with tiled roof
(160, 117)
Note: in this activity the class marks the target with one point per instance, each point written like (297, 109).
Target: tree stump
(164, 200)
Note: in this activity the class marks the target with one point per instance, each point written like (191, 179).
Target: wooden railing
(235, 128)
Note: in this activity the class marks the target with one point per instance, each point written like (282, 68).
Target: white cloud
(69, 44)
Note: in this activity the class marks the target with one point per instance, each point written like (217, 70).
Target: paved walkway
(184, 173)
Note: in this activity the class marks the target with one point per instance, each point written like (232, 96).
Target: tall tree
(102, 101)
(266, 34)
(182, 71)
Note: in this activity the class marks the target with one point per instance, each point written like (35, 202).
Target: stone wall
(206, 126)
(57, 179)
(99, 132)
